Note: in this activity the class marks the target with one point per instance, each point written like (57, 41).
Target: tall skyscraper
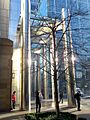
(80, 27)
(54, 7)
(4, 18)
(80, 17)
(34, 5)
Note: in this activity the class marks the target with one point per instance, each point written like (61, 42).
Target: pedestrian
(61, 97)
(77, 97)
(40, 98)
(38, 103)
(13, 99)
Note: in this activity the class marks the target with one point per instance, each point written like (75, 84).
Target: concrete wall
(16, 70)
(6, 49)
(4, 18)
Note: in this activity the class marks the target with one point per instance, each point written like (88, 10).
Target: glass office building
(34, 6)
(80, 30)
(41, 79)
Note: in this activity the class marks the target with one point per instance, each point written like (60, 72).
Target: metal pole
(66, 66)
(72, 68)
(22, 86)
(29, 57)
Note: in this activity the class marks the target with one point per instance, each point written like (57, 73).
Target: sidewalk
(85, 113)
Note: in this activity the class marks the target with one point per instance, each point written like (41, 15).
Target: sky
(14, 17)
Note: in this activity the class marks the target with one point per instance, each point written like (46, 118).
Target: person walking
(40, 98)
(13, 99)
(77, 97)
(61, 97)
(38, 103)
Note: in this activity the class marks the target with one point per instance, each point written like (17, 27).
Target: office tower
(34, 6)
(54, 7)
(80, 25)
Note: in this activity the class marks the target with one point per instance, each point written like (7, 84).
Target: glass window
(78, 74)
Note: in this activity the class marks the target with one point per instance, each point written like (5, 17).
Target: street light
(29, 56)
(73, 58)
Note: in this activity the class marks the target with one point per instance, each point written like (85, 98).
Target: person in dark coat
(77, 97)
(38, 103)
(61, 97)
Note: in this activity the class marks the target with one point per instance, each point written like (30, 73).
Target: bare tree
(48, 28)
(45, 30)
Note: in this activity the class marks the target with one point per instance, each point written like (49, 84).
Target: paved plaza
(19, 115)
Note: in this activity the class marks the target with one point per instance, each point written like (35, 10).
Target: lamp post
(66, 66)
(70, 82)
(22, 84)
(29, 57)
(72, 67)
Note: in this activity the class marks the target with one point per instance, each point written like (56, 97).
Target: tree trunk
(55, 76)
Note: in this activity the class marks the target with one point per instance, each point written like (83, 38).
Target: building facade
(39, 80)
(80, 18)
(34, 6)
(42, 78)
(6, 51)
